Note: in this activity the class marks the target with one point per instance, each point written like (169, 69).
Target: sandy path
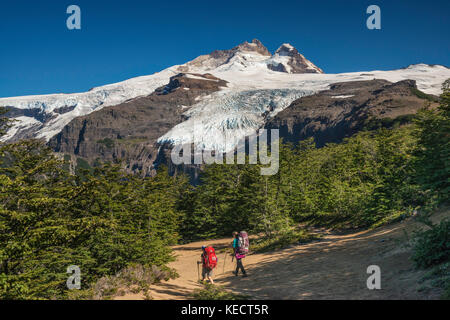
(333, 268)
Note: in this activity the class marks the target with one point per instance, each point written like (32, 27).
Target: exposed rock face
(255, 46)
(37, 114)
(288, 59)
(344, 109)
(129, 130)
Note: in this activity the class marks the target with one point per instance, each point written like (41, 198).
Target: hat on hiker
(203, 247)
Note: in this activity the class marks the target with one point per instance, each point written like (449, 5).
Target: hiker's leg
(239, 266)
(242, 268)
(204, 273)
(235, 272)
(210, 276)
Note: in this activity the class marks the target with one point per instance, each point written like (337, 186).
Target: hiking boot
(235, 273)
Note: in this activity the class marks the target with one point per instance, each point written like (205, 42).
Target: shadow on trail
(172, 290)
(327, 269)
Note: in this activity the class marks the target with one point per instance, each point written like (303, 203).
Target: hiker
(209, 262)
(240, 245)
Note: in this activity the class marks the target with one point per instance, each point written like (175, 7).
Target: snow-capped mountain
(259, 85)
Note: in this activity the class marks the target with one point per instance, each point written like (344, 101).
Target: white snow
(343, 96)
(193, 76)
(277, 59)
(21, 123)
(224, 116)
(288, 46)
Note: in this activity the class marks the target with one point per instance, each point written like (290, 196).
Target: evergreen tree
(433, 152)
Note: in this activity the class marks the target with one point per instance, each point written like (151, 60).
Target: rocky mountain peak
(254, 46)
(218, 58)
(288, 59)
(286, 49)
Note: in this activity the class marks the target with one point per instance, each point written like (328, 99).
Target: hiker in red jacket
(240, 245)
(209, 262)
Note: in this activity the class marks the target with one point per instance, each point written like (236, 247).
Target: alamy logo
(74, 20)
(374, 281)
(373, 21)
(224, 149)
(74, 281)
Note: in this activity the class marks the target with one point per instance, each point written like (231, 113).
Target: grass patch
(133, 140)
(423, 95)
(283, 240)
(81, 166)
(107, 142)
(446, 294)
(373, 123)
(438, 277)
(396, 216)
(213, 292)
(66, 165)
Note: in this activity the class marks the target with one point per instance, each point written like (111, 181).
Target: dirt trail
(333, 268)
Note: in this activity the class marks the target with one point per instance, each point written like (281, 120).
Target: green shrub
(109, 143)
(432, 246)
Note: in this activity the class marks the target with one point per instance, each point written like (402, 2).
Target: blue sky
(124, 39)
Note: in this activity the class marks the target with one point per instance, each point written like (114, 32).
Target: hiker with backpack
(209, 262)
(240, 245)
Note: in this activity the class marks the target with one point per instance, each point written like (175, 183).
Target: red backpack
(209, 258)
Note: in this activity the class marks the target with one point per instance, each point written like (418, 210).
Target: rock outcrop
(348, 107)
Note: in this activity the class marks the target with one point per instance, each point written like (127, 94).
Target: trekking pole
(224, 260)
(198, 272)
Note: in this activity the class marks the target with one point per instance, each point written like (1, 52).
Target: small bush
(423, 95)
(212, 292)
(432, 247)
(135, 278)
